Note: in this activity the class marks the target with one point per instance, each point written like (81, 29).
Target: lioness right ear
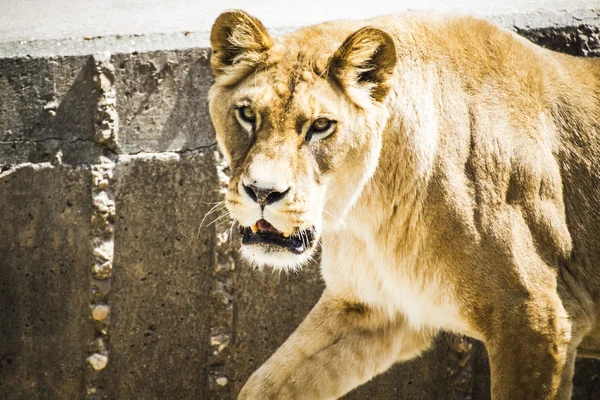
(239, 42)
(363, 65)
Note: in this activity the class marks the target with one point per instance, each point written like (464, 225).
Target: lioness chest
(361, 267)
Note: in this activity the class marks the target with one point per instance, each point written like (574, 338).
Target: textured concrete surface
(587, 380)
(162, 279)
(161, 101)
(267, 307)
(580, 40)
(186, 318)
(44, 235)
(46, 108)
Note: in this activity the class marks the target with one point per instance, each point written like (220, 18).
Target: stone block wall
(111, 284)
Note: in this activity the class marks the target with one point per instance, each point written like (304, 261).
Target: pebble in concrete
(98, 361)
(100, 312)
(102, 241)
(222, 381)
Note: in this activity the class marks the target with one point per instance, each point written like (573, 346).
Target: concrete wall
(110, 285)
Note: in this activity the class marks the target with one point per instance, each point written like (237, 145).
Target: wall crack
(185, 151)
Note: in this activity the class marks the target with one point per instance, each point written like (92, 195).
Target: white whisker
(226, 215)
(333, 216)
(216, 208)
(233, 222)
(211, 203)
(213, 209)
(304, 238)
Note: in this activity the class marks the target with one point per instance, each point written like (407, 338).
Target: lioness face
(300, 128)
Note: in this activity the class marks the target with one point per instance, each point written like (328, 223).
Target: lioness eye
(248, 114)
(321, 125)
(320, 129)
(246, 117)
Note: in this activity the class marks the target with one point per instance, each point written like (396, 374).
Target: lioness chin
(451, 171)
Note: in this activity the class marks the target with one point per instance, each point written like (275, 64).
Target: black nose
(264, 197)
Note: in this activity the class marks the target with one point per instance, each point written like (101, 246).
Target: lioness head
(299, 119)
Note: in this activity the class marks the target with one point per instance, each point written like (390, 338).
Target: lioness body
(459, 192)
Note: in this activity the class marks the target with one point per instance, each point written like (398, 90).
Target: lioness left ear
(364, 63)
(239, 42)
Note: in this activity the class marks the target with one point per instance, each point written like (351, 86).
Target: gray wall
(107, 167)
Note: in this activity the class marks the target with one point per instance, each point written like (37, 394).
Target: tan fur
(459, 192)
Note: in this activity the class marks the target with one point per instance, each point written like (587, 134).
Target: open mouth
(264, 233)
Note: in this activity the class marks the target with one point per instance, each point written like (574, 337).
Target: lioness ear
(363, 65)
(239, 42)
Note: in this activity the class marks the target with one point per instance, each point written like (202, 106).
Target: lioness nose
(263, 196)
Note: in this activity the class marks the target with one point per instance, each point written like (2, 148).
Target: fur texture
(457, 191)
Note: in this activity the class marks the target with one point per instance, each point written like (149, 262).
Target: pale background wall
(57, 19)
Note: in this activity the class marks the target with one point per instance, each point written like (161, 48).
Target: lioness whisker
(233, 222)
(333, 216)
(305, 240)
(215, 208)
(219, 218)
(211, 203)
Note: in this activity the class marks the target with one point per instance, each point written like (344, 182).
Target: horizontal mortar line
(25, 141)
(35, 166)
(122, 156)
(7, 168)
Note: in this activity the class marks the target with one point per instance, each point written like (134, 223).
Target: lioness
(451, 171)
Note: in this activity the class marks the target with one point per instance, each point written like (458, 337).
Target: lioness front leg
(532, 355)
(339, 345)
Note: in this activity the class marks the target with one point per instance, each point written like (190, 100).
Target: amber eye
(246, 117)
(247, 114)
(321, 125)
(320, 129)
